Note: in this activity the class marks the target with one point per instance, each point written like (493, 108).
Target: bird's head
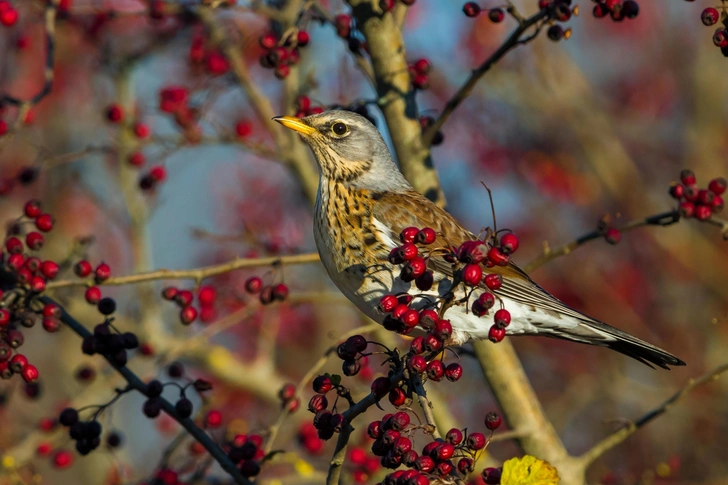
(349, 149)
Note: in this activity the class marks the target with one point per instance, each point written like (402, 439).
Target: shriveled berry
(322, 384)
(465, 465)
(399, 421)
(491, 476)
(380, 386)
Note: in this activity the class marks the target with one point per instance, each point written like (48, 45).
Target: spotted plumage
(364, 203)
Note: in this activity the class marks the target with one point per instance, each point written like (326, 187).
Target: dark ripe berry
(399, 421)
(389, 436)
(562, 12)
(280, 292)
(410, 318)
(44, 222)
(705, 197)
(428, 318)
(397, 397)
(472, 274)
(630, 9)
(409, 458)
(409, 235)
(287, 392)
(152, 407)
(154, 388)
(431, 343)
(502, 318)
(183, 407)
(426, 235)
(253, 284)
(357, 342)
(424, 464)
(387, 303)
(417, 364)
(703, 212)
(443, 330)
(466, 466)
(346, 352)
(390, 460)
(687, 177)
(493, 282)
(184, 298)
(686, 209)
(555, 32)
(4, 317)
(496, 334)
(322, 384)
(613, 235)
(102, 272)
(492, 421)
(14, 245)
(318, 403)
(374, 429)
(28, 175)
(425, 281)
(471, 9)
(14, 338)
(113, 440)
(395, 257)
(718, 186)
(338, 422)
(380, 387)
(401, 446)
(129, 341)
(5, 371)
(34, 240)
(496, 15)
(82, 269)
(677, 190)
(93, 429)
(350, 367)
(249, 468)
(51, 325)
(68, 417)
(114, 113)
(175, 370)
(453, 372)
(188, 315)
(454, 436)
(85, 373)
(32, 208)
(107, 306)
(435, 370)
(491, 476)
(476, 441)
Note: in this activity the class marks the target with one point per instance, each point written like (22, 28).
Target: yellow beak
(295, 124)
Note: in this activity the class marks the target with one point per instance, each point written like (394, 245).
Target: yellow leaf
(528, 470)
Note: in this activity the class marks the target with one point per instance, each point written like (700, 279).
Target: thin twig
(452, 104)
(419, 389)
(197, 274)
(137, 384)
(617, 437)
(662, 219)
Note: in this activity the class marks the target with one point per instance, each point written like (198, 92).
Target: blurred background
(561, 132)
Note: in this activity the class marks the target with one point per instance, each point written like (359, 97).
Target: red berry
(497, 257)
(493, 281)
(421, 81)
(408, 251)
(443, 330)
(509, 243)
(686, 209)
(703, 212)
(158, 173)
(62, 459)
(710, 16)
(4, 317)
(318, 403)
(137, 159)
(114, 113)
(169, 293)
(422, 66)
(280, 292)
(431, 343)
(29, 373)
(213, 419)
(496, 334)
(453, 372)
(492, 421)
(18, 362)
(705, 197)
(184, 298)
(37, 284)
(244, 128)
(717, 204)
(502, 318)
(34, 240)
(322, 384)
(413, 269)
(51, 325)
(102, 272)
(410, 318)
(32, 209)
(49, 269)
(374, 429)
(426, 235)
(496, 15)
(687, 177)
(82, 269)
(253, 284)
(8, 17)
(677, 190)
(399, 310)
(466, 466)
(93, 295)
(409, 235)
(16, 261)
(302, 38)
(718, 186)
(613, 235)
(435, 370)
(417, 364)
(141, 130)
(188, 315)
(343, 25)
(428, 319)
(14, 245)
(476, 441)
(472, 274)
(397, 398)
(387, 303)
(471, 9)
(44, 222)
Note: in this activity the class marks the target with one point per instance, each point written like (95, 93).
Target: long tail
(597, 333)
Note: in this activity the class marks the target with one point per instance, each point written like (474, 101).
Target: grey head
(349, 149)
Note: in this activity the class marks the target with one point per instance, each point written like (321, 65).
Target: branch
(337, 460)
(426, 406)
(664, 219)
(512, 41)
(197, 274)
(618, 436)
(137, 384)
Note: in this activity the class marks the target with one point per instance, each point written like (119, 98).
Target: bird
(362, 206)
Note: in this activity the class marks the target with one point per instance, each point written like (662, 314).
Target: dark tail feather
(598, 333)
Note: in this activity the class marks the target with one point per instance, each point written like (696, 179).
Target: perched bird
(364, 203)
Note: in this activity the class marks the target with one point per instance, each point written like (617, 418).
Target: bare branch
(425, 405)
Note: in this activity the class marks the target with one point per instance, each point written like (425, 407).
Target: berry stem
(425, 404)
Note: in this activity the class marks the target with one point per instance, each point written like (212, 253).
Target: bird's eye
(339, 128)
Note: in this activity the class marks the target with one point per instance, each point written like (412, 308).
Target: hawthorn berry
(492, 421)
(718, 186)
(496, 334)
(613, 235)
(453, 372)
(435, 370)
(496, 15)
(417, 364)
(253, 284)
(102, 273)
(502, 318)
(476, 441)
(472, 274)
(471, 9)
(115, 113)
(213, 419)
(188, 315)
(380, 386)
(491, 476)
(93, 295)
(183, 407)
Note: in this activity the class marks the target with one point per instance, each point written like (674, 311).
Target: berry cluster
(8, 14)
(266, 293)
(246, 451)
(107, 340)
(437, 459)
(175, 100)
(710, 17)
(468, 262)
(279, 53)
(326, 421)
(304, 107)
(425, 123)
(419, 73)
(495, 15)
(618, 10)
(697, 202)
(210, 59)
(86, 434)
(206, 298)
(289, 400)
(558, 11)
